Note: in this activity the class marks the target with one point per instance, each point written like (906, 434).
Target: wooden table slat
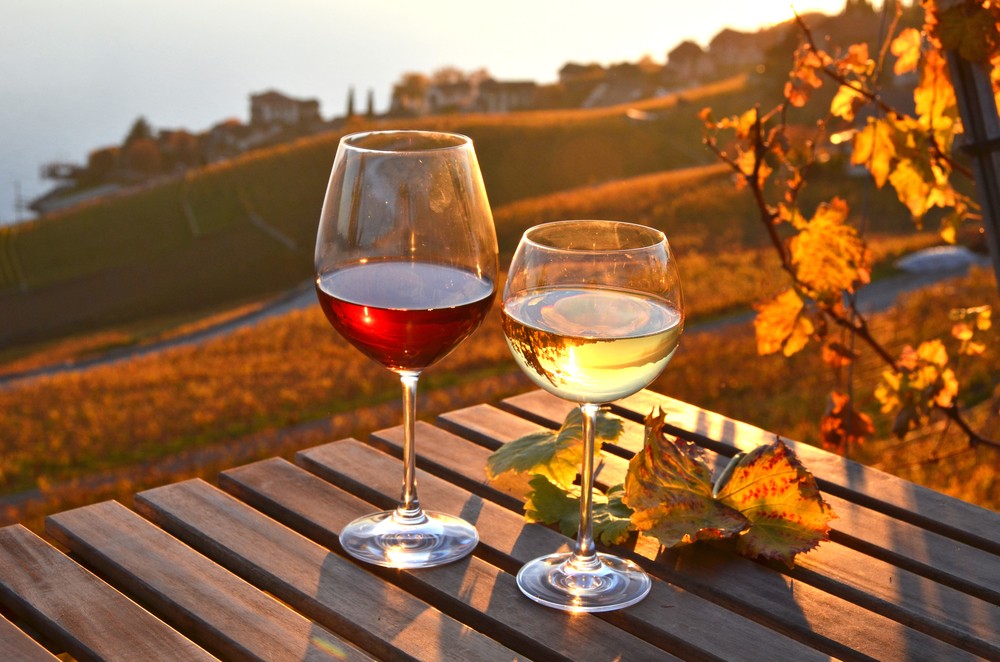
(455, 460)
(472, 588)
(326, 587)
(15, 644)
(76, 610)
(219, 610)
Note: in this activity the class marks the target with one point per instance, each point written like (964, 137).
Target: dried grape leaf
(779, 497)
(558, 454)
(842, 425)
(669, 488)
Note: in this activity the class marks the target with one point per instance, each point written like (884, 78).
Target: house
(688, 63)
(272, 107)
(731, 50)
(231, 137)
(503, 96)
(458, 96)
(573, 73)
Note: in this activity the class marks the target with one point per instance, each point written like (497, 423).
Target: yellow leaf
(934, 96)
(983, 318)
(912, 188)
(780, 326)
(961, 331)
(746, 123)
(947, 389)
(933, 352)
(746, 161)
(842, 425)
(906, 48)
(828, 254)
(874, 149)
(844, 101)
(857, 59)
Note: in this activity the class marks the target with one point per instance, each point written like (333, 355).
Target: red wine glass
(406, 269)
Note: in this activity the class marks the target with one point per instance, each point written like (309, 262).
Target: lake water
(74, 75)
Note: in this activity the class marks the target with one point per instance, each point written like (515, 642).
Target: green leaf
(551, 504)
(612, 518)
(669, 488)
(555, 455)
(779, 497)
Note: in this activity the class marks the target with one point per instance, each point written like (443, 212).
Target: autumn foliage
(825, 257)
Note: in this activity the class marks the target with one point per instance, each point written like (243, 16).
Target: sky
(74, 75)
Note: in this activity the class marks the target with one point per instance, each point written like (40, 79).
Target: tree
(140, 131)
(825, 257)
(142, 157)
(350, 103)
(409, 95)
(102, 164)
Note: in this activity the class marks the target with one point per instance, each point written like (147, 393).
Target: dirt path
(877, 296)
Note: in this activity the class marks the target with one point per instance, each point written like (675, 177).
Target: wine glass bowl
(592, 312)
(406, 269)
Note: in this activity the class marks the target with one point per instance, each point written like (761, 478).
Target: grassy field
(142, 267)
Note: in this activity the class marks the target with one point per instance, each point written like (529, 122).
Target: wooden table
(244, 570)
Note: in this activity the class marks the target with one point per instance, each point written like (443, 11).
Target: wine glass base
(383, 540)
(554, 582)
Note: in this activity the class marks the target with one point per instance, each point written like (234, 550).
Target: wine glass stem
(585, 556)
(409, 511)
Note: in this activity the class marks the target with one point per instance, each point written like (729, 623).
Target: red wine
(405, 315)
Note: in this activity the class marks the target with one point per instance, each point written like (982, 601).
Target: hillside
(244, 229)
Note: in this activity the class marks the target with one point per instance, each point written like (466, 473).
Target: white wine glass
(592, 312)
(406, 269)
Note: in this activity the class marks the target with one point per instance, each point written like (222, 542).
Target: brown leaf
(838, 355)
(669, 489)
(843, 426)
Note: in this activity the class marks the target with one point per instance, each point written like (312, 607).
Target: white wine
(591, 345)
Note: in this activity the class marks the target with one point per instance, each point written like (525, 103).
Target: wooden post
(978, 109)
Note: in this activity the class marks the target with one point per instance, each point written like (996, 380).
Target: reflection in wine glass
(592, 312)
(406, 267)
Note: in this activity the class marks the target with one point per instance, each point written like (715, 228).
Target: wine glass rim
(657, 236)
(444, 140)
